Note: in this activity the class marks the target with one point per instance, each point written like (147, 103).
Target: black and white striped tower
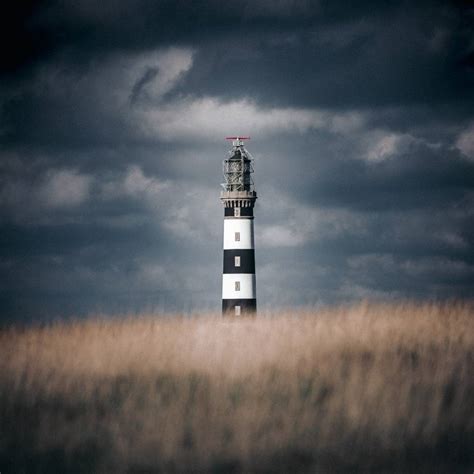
(239, 296)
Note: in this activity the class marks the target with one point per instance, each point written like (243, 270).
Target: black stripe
(247, 307)
(244, 211)
(247, 261)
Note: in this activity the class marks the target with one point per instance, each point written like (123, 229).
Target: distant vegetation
(370, 388)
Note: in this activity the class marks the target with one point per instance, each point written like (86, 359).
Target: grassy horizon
(367, 388)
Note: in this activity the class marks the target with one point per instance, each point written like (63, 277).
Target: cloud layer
(112, 124)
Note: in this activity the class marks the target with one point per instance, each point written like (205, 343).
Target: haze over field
(112, 123)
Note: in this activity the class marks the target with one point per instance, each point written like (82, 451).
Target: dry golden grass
(380, 388)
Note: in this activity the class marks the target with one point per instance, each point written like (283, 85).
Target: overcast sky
(112, 123)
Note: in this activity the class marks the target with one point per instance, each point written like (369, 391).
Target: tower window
(237, 286)
(237, 261)
(237, 236)
(237, 310)
(237, 211)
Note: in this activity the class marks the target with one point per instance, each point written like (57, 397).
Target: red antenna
(237, 138)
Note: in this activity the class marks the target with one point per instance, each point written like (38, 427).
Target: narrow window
(237, 310)
(237, 286)
(237, 211)
(237, 261)
(237, 236)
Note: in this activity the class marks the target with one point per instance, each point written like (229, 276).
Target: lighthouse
(239, 296)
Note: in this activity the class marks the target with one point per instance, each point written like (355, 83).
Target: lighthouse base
(242, 307)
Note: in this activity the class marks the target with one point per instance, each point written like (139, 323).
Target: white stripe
(245, 229)
(247, 286)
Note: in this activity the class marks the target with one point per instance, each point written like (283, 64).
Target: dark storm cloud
(112, 116)
(324, 53)
(42, 28)
(418, 177)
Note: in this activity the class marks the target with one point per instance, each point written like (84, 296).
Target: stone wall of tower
(239, 296)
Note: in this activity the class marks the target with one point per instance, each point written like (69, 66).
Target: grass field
(368, 388)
